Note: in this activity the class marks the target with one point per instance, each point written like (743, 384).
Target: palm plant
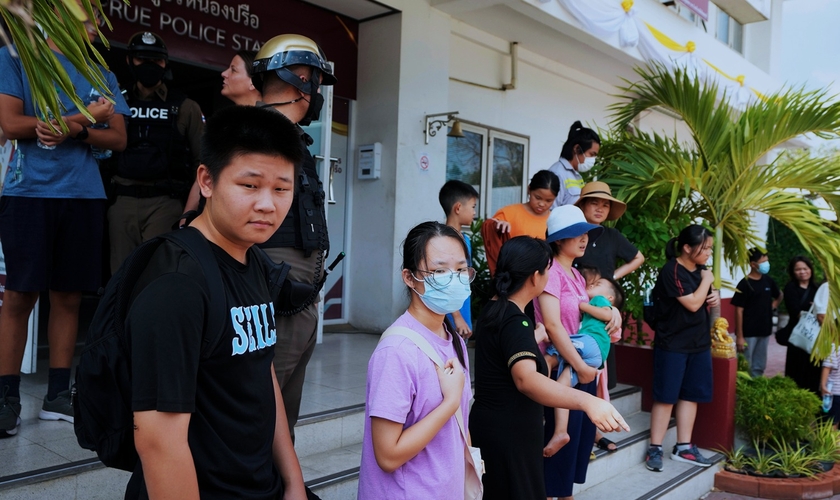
(62, 21)
(728, 171)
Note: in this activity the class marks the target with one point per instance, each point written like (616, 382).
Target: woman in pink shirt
(558, 309)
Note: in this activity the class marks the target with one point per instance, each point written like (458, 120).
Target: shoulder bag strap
(429, 351)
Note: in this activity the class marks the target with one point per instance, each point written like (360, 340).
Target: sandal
(604, 444)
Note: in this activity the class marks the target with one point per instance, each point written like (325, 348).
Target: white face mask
(587, 164)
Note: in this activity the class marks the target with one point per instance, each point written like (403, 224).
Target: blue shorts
(682, 376)
(834, 411)
(588, 349)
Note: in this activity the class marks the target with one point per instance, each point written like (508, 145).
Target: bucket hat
(598, 189)
(567, 221)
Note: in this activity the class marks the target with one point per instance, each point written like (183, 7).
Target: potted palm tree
(725, 174)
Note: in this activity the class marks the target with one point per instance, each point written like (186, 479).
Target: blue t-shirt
(465, 310)
(69, 170)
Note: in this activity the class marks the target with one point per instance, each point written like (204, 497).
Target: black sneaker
(653, 460)
(59, 408)
(9, 414)
(691, 456)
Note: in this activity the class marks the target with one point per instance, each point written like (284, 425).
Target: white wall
(403, 75)
(548, 97)
(369, 256)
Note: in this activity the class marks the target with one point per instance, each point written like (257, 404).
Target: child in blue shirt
(458, 200)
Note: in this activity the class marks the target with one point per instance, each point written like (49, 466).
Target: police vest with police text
(155, 150)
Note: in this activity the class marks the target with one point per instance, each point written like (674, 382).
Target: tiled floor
(335, 377)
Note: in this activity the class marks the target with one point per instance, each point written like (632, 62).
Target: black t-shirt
(230, 393)
(496, 352)
(602, 252)
(677, 328)
(756, 297)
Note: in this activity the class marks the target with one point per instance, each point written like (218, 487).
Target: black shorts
(52, 243)
(682, 376)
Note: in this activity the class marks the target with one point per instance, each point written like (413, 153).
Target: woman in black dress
(511, 382)
(799, 294)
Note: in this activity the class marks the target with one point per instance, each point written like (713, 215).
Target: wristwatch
(83, 134)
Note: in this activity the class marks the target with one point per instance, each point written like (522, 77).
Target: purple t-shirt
(570, 291)
(402, 386)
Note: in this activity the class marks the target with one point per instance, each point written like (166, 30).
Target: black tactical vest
(156, 151)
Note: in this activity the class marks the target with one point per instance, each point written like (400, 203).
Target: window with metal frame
(493, 161)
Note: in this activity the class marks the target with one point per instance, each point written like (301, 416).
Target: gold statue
(723, 345)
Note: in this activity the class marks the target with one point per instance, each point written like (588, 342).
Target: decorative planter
(823, 485)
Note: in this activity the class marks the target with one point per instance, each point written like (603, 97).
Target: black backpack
(652, 307)
(104, 421)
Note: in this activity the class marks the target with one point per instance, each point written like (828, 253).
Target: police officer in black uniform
(152, 177)
(288, 70)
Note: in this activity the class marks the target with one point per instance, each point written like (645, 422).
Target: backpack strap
(429, 351)
(191, 240)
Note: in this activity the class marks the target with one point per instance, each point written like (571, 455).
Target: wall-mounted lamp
(432, 125)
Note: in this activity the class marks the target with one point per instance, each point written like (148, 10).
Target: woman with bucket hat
(602, 253)
(558, 309)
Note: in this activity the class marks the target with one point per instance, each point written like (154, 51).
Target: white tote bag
(805, 333)
(473, 464)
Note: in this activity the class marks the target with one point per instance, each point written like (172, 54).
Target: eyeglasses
(442, 277)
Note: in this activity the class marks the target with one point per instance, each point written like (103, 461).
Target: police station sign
(208, 32)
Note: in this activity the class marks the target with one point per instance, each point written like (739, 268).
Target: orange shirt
(523, 222)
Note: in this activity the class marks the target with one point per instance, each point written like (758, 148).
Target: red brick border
(821, 486)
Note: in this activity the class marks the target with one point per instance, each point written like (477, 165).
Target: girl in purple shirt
(412, 446)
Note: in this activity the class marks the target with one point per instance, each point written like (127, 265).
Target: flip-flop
(604, 444)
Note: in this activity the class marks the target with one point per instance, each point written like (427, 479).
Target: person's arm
(192, 198)
(630, 266)
(740, 343)
(283, 450)
(14, 123)
(194, 127)
(694, 301)
(461, 327)
(168, 467)
(778, 299)
(599, 313)
(113, 137)
(550, 308)
(393, 446)
(547, 392)
(824, 380)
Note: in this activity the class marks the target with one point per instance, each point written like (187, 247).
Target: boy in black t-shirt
(756, 297)
(212, 424)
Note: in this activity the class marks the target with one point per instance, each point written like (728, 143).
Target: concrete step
(627, 399)
(329, 430)
(631, 451)
(677, 481)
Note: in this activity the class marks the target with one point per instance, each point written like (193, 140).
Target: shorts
(682, 376)
(589, 352)
(834, 412)
(52, 243)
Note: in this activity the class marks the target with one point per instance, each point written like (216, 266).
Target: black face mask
(316, 102)
(148, 74)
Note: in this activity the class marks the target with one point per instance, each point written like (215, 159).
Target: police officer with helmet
(289, 70)
(152, 177)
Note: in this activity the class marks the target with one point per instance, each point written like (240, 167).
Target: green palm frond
(63, 22)
(725, 174)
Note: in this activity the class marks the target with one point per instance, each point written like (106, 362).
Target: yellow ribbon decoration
(669, 43)
(740, 78)
(627, 5)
